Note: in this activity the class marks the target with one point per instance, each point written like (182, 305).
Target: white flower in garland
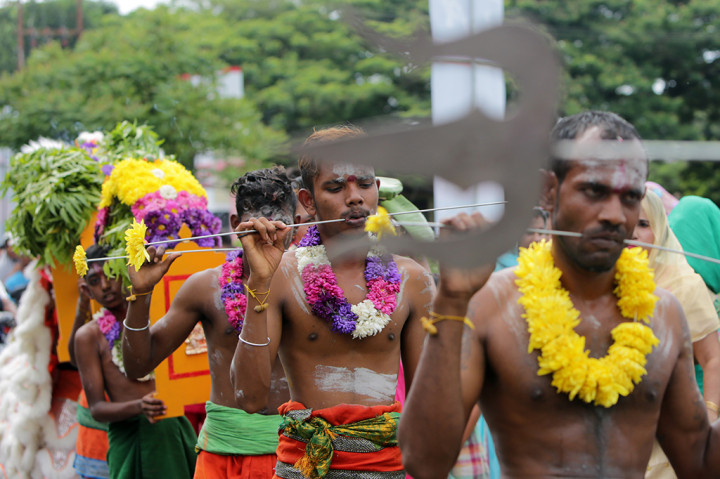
(311, 255)
(117, 359)
(168, 192)
(158, 173)
(370, 320)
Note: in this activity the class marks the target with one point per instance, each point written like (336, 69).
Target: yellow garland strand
(79, 258)
(551, 319)
(380, 223)
(135, 244)
(131, 179)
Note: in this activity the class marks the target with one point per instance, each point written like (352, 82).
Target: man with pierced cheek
(339, 328)
(577, 359)
(232, 443)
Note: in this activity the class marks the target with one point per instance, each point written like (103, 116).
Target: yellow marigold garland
(132, 179)
(551, 319)
(135, 245)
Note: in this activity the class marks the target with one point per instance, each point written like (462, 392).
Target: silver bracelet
(136, 329)
(253, 344)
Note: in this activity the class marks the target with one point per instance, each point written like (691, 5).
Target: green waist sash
(380, 431)
(231, 431)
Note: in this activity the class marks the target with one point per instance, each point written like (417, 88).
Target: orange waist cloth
(91, 443)
(217, 466)
(387, 459)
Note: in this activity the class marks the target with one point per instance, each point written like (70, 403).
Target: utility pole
(21, 37)
(46, 31)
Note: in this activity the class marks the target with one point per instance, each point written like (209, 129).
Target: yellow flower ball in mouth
(135, 244)
(79, 258)
(380, 223)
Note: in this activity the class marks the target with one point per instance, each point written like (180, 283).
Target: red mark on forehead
(351, 178)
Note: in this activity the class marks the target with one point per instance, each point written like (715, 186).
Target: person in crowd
(538, 221)
(673, 273)
(577, 359)
(139, 445)
(339, 327)
(232, 443)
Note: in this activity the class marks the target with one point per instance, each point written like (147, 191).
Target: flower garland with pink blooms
(233, 292)
(110, 327)
(327, 299)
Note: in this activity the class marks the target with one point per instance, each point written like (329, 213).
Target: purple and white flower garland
(110, 327)
(232, 289)
(327, 299)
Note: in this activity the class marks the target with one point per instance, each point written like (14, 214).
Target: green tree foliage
(303, 66)
(655, 62)
(132, 68)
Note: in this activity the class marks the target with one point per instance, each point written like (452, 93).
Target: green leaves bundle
(56, 192)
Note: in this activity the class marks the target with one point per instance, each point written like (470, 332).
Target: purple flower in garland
(162, 224)
(107, 169)
(109, 325)
(311, 238)
(344, 320)
(201, 223)
(89, 148)
(232, 289)
(327, 300)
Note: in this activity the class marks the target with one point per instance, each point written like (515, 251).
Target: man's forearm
(251, 369)
(105, 411)
(434, 408)
(137, 341)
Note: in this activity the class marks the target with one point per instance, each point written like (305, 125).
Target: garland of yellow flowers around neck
(551, 319)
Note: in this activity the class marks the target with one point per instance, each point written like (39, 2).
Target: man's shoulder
(501, 285)
(200, 282)
(88, 334)
(410, 265)
(89, 328)
(668, 310)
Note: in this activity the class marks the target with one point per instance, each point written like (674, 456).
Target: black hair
(97, 251)
(612, 127)
(293, 172)
(265, 192)
(309, 166)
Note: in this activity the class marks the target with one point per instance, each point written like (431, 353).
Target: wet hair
(309, 165)
(569, 128)
(97, 251)
(295, 176)
(266, 192)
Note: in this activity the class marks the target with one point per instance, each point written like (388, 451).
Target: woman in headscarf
(696, 223)
(673, 273)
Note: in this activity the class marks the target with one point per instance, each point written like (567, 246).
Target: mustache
(355, 213)
(610, 231)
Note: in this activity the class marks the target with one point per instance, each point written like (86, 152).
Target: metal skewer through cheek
(230, 233)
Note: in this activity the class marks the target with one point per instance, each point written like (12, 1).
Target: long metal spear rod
(630, 242)
(166, 252)
(530, 230)
(230, 233)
